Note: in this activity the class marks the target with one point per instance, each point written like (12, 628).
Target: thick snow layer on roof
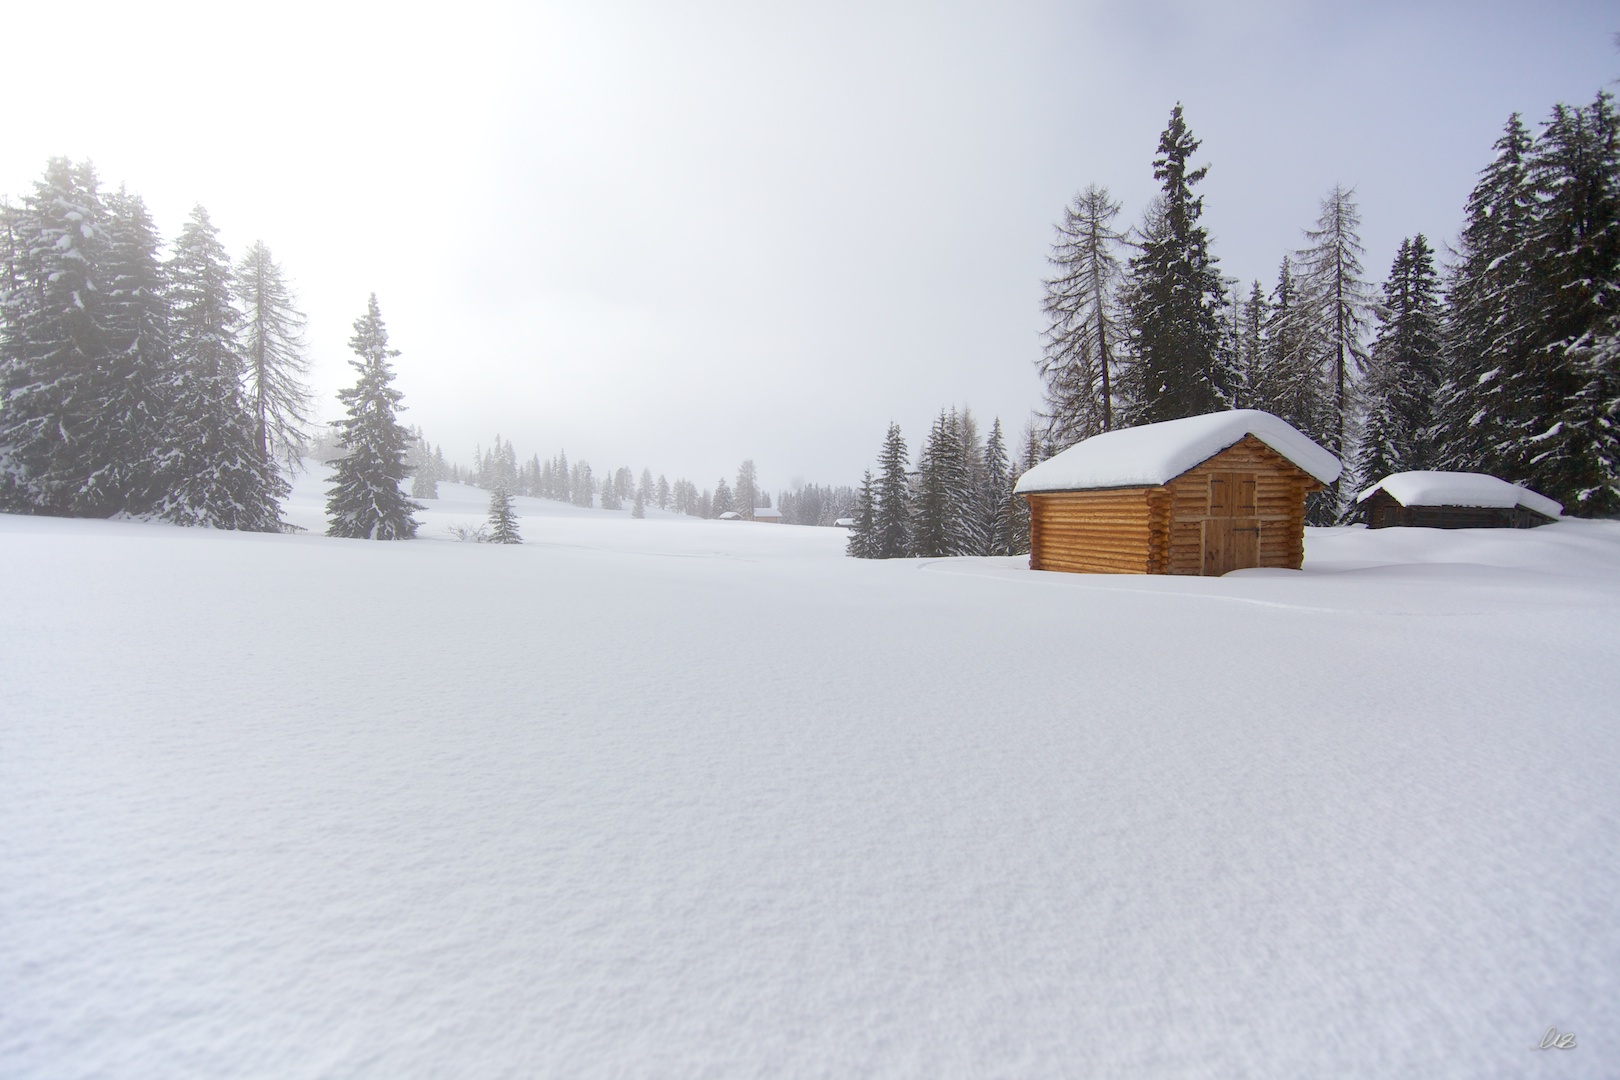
(1157, 453)
(1460, 489)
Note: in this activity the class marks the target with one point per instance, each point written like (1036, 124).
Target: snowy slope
(684, 798)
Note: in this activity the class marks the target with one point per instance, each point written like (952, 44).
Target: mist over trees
(1504, 359)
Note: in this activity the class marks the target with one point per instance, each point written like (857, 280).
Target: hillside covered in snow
(671, 797)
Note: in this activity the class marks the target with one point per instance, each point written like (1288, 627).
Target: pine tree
(944, 507)
(1253, 317)
(503, 526)
(663, 492)
(1173, 297)
(1490, 300)
(892, 512)
(638, 509)
(747, 490)
(862, 537)
(610, 495)
(1562, 393)
(723, 502)
(425, 477)
(1082, 330)
(1403, 370)
(365, 501)
(276, 362)
(54, 344)
(214, 475)
(1340, 305)
(995, 511)
(1290, 383)
(1018, 508)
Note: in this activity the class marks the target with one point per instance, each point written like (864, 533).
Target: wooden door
(1231, 532)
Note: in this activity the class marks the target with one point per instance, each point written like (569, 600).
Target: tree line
(1504, 361)
(174, 388)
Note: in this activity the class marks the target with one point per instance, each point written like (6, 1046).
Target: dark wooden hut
(1204, 495)
(1453, 500)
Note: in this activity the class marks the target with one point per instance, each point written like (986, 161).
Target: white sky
(678, 235)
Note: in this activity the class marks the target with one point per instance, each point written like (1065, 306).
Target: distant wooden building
(769, 514)
(1453, 500)
(1204, 495)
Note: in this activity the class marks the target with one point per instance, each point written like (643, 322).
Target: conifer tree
(1290, 383)
(503, 526)
(53, 350)
(1489, 303)
(425, 477)
(943, 508)
(638, 509)
(365, 501)
(663, 492)
(1082, 330)
(996, 512)
(1173, 296)
(277, 365)
(1403, 370)
(1562, 391)
(214, 475)
(747, 490)
(1253, 316)
(723, 502)
(892, 511)
(1340, 306)
(610, 495)
(861, 536)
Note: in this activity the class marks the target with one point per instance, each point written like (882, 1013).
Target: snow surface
(676, 798)
(1158, 453)
(1428, 488)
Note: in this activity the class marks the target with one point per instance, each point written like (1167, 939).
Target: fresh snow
(670, 797)
(1158, 453)
(1426, 488)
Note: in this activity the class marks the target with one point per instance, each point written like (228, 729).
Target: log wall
(1160, 530)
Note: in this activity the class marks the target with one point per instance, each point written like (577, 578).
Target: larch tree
(1173, 296)
(1340, 306)
(365, 501)
(277, 364)
(1082, 331)
(215, 475)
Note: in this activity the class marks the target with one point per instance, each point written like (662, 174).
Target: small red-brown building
(1453, 500)
(1203, 495)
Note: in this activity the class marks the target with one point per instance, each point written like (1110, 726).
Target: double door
(1231, 531)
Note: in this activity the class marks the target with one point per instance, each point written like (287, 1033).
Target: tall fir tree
(862, 535)
(1082, 331)
(1561, 391)
(277, 364)
(942, 504)
(892, 512)
(1488, 306)
(365, 501)
(995, 511)
(1403, 370)
(1340, 306)
(214, 475)
(54, 344)
(1173, 297)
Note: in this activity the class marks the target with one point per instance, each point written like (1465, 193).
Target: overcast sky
(681, 234)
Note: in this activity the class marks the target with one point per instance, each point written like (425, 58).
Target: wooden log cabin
(1203, 496)
(1453, 500)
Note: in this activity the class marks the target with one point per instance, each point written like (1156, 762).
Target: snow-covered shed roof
(1158, 453)
(729, 515)
(1426, 488)
(766, 512)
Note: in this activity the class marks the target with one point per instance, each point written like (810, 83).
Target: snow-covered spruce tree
(747, 490)
(1563, 396)
(892, 511)
(994, 511)
(53, 350)
(610, 493)
(664, 492)
(425, 471)
(861, 544)
(1082, 332)
(1340, 307)
(1173, 297)
(1403, 369)
(214, 475)
(1018, 508)
(503, 526)
(1250, 358)
(645, 488)
(273, 343)
(1290, 383)
(944, 506)
(142, 380)
(365, 501)
(638, 508)
(1489, 305)
(723, 502)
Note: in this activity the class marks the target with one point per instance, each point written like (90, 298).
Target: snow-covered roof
(848, 523)
(729, 515)
(1461, 489)
(1158, 453)
(766, 512)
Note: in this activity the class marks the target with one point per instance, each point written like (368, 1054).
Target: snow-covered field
(673, 798)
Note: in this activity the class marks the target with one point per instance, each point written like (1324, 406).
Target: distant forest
(1504, 360)
(135, 381)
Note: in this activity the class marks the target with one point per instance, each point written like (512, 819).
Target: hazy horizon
(676, 239)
